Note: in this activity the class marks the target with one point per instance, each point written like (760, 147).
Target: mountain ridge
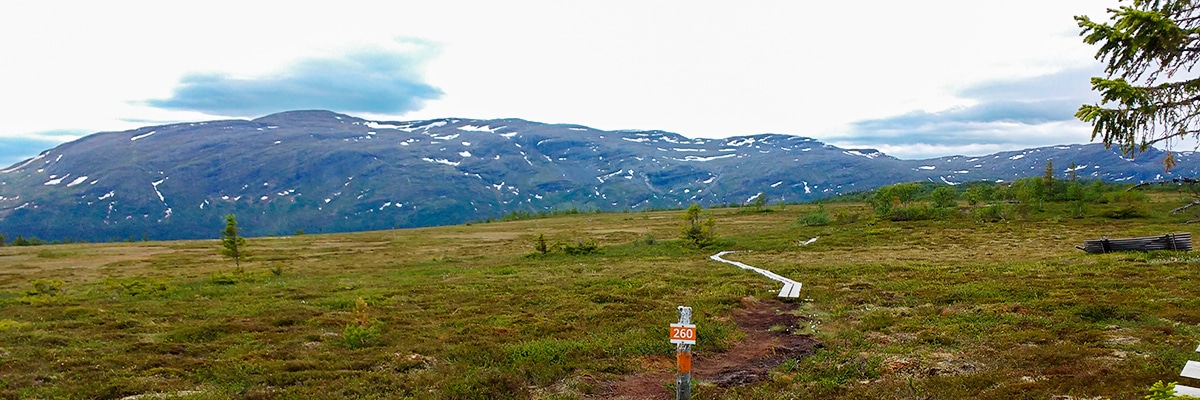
(321, 171)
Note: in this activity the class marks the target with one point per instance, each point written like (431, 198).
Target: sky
(914, 79)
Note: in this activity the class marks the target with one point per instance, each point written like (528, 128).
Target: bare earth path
(771, 339)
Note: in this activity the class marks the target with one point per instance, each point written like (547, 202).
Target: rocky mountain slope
(319, 171)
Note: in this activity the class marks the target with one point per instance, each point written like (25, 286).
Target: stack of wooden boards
(1170, 241)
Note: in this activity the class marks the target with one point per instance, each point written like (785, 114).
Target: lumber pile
(1170, 241)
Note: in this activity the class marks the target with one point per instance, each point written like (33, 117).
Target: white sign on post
(683, 334)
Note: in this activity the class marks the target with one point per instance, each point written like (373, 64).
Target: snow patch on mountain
(54, 180)
(155, 185)
(871, 155)
(142, 136)
(441, 161)
(485, 128)
(703, 159)
(742, 142)
(77, 181)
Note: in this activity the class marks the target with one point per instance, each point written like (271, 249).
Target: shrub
(539, 244)
(1125, 212)
(846, 217)
(362, 330)
(46, 287)
(224, 278)
(820, 217)
(943, 197)
(581, 247)
(646, 240)
(992, 213)
(697, 232)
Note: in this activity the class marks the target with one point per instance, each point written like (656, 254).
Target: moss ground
(946, 308)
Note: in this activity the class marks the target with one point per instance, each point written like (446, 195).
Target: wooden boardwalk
(790, 288)
(1190, 370)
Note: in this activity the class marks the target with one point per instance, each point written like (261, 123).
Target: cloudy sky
(915, 79)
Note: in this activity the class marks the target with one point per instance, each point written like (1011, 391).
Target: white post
(683, 354)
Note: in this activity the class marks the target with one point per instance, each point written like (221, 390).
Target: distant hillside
(319, 171)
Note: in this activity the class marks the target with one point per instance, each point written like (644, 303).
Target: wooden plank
(787, 289)
(1191, 370)
(1181, 390)
(795, 292)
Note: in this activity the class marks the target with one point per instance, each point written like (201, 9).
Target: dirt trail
(745, 362)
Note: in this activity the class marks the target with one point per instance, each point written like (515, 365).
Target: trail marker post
(683, 334)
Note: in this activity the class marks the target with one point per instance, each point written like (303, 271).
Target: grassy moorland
(953, 307)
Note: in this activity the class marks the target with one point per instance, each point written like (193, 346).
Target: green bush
(992, 213)
(46, 287)
(539, 244)
(943, 197)
(1125, 212)
(820, 217)
(696, 230)
(580, 247)
(362, 330)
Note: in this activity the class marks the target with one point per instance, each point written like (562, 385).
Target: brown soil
(745, 362)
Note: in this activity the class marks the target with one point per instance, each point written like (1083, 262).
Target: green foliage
(697, 230)
(1143, 43)
(1161, 391)
(363, 330)
(888, 198)
(138, 287)
(224, 278)
(1048, 177)
(44, 291)
(898, 202)
(979, 193)
(519, 215)
(646, 240)
(580, 247)
(32, 241)
(1030, 190)
(819, 217)
(943, 197)
(47, 287)
(759, 204)
(232, 245)
(1124, 212)
(539, 244)
(992, 213)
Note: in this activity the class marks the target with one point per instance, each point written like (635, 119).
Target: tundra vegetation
(955, 306)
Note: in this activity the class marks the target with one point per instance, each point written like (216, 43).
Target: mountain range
(319, 171)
